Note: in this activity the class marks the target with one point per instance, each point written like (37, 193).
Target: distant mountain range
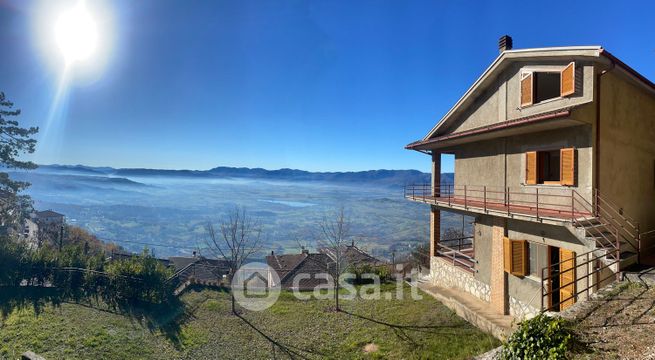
(379, 177)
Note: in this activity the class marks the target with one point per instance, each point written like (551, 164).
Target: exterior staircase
(613, 236)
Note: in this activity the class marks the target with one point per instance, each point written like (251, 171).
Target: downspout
(597, 147)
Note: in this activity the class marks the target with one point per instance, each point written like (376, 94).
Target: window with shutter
(519, 257)
(567, 80)
(526, 89)
(515, 253)
(567, 166)
(531, 167)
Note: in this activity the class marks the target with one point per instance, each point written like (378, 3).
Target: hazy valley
(168, 210)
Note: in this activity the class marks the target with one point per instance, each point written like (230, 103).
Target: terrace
(548, 205)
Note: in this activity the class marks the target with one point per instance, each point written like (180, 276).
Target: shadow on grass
(291, 351)
(432, 329)
(165, 317)
(404, 332)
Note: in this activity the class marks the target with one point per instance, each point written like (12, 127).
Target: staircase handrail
(620, 224)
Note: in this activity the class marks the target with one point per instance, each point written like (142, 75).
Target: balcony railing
(559, 204)
(459, 251)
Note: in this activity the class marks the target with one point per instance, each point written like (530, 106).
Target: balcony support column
(499, 294)
(435, 229)
(435, 213)
(436, 174)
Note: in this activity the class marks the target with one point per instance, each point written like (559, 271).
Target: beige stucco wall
(501, 101)
(487, 110)
(627, 147)
(584, 88)
(500, 163)
(524, 291)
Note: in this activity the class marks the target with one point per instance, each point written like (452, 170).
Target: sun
(76, 34)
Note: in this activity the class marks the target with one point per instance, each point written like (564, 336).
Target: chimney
(272, 253)
(505, 43)
(305, 251)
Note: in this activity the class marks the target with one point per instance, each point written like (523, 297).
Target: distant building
(306, 271)
(354, 255)
(48, 217)
(30, 233)
(311, 266)
(199, 269)
(42, 226)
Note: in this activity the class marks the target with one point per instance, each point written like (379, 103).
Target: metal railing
(583, 261)
(528, 201)
(457, 256)
(560, 204)
(623, 233)
(459, 243)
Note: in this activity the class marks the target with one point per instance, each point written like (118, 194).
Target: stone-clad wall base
(521, 310)
(446, 275)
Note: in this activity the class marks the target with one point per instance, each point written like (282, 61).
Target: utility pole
(61, 237)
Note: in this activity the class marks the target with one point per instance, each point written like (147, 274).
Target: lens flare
(76, 34)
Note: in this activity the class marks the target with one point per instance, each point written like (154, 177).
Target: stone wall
(521, 310)
(445, 274)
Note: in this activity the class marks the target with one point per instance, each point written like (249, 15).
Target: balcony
(545, 205)
(459, 251)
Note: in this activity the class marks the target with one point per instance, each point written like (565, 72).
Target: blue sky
(315, 85)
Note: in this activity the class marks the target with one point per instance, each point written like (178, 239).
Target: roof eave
(423, 145)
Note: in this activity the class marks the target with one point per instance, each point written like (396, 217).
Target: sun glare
(75, 37)
(76, 34)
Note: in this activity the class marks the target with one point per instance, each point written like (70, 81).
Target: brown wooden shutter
(507, 255)
(526, 89)
(515, 256)
(567, 80)
(567, 166)
(566, 278)
(519, 257)
(531, 167)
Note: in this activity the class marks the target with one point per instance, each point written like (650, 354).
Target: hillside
(393, 329)
(371, 177)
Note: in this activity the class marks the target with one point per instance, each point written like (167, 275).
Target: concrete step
(473, 310)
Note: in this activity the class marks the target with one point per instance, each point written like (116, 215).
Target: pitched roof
(353, 254)
(283, 264)
(507, 57)
(199, 268)
(309, 264)
(47, 214)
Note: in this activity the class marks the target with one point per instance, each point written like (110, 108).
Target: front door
(566, 278)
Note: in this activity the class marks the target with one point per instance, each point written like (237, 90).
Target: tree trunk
(336, 295)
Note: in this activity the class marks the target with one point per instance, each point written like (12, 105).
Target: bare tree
(238, 237)
(333, 240)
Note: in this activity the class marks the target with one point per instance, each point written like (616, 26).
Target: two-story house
(554, 158)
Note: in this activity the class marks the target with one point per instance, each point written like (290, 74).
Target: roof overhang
(529, 124)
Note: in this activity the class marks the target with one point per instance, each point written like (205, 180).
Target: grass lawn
(402, 328)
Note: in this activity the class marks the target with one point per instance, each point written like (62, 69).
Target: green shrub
(138, 279)
(542, 337)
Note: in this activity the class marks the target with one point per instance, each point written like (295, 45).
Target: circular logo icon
(256, 286)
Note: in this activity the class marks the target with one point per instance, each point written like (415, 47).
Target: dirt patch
(371, 348)
(619, 325)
